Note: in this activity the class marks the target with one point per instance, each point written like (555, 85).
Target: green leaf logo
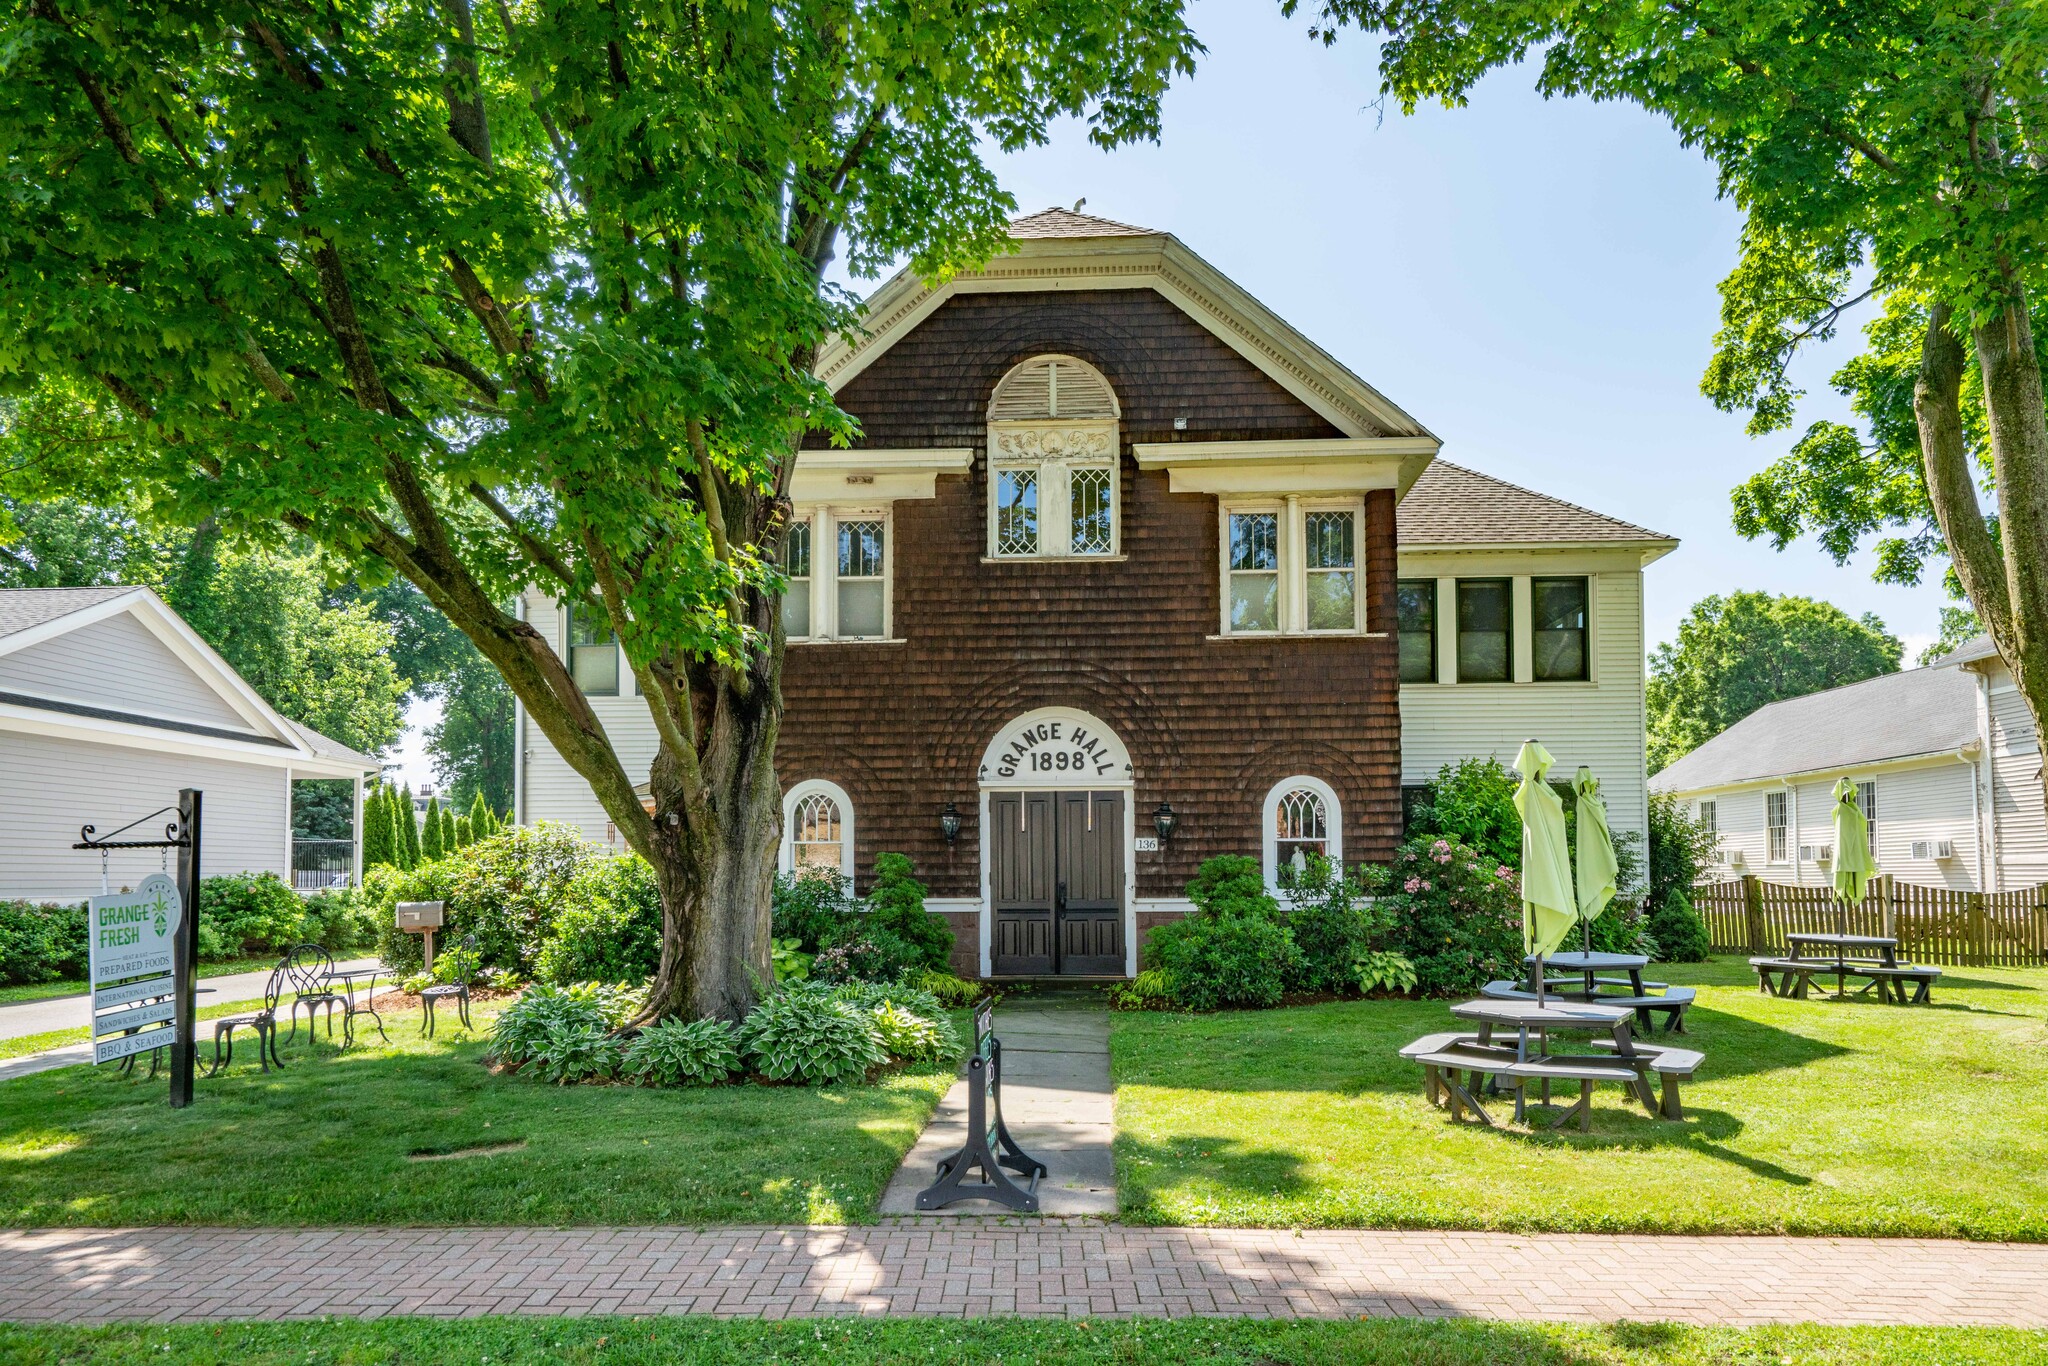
(163, 919)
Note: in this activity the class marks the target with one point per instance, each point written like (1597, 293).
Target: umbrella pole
(1539, 981)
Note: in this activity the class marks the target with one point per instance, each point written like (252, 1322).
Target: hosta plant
(522, 1032)
(1383, 968)
(910, 1037)
(676, 1053)
(916, 1000)
(808, 1037)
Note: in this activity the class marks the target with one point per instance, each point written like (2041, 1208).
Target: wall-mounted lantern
(1165, 822)
(949, 823)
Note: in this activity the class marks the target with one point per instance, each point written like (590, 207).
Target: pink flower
(1443, 858)
(1504, 872)
(1441, 847)
(1413, 884)
(1426, 887)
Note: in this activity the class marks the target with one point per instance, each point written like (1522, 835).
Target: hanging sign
(130, 932)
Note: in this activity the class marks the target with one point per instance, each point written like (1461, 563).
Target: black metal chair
(263, 1021)
(456, 991)
(310, 970)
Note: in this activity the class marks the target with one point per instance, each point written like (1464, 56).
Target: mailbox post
(421, 917)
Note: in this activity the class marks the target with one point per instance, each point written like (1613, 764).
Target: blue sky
(1533, 280)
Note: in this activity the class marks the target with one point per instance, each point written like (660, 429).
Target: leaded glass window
(1093, 502)
(863, 590)
(1254, 571)
(1331, 566)
(1016, 512)
(796, 563)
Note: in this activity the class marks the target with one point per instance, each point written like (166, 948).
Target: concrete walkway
(1039, 1267)
(1057, 1103)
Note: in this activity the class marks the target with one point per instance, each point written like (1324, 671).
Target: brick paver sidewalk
(990, 1267)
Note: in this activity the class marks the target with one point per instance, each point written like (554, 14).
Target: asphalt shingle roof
(1894, 716)
(21, 608)
(1451, 505)
(1067, 223)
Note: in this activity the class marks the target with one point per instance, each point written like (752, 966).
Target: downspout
(1798, 832)
(1976, 812)
(1986, 779)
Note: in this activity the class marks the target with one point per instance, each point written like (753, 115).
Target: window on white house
(593, 651)
(1558, 640)
(1866, 798)
(1053, 444)
(796, 563)
(1486, 634)
(1417, 605)
(839, 567)
(1710, 819)
(1302, 819)
(863, 586)
(1774, 826)
(1291, 568)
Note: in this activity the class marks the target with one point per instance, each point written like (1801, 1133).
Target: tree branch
(1943, 449)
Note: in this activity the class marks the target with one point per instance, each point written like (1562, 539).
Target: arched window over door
(817, 830)
(1302, 817)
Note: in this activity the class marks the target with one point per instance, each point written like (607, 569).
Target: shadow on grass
(1231, 1162)
(1701, 1131)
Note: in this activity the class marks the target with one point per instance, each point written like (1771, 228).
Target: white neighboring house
(109, 704)
(1945, 758)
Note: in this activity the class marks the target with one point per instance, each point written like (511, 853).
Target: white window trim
(817, 787)
(824, 581)
(1522, 632)
(1333, 818)
(1293, 512)
(1790, 844)
(629, 685)
(1055, 493)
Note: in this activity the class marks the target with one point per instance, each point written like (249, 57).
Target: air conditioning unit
(1816, 853)
(1933, 849)
(1731, 857)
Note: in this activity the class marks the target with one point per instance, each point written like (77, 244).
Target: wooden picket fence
(1932, 924)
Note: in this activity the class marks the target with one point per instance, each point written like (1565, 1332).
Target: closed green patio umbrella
(1548, 907)
(1597, 867)
(1854, 865)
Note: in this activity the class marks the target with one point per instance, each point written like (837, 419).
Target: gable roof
(1450, 505)
(1060, 249)
(1893, 716)
(21, 608)
(1972, 651)
(1058, 222)
(31, 616)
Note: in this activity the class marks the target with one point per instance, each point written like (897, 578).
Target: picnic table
(1846, 955)
(1591, 965)
(1625, 1060)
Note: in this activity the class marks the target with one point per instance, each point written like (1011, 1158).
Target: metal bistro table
(1591, 965)
(348, 977)
(1844, 955)
(1527, 1017)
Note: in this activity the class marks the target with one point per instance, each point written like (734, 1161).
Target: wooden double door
(1056, 878)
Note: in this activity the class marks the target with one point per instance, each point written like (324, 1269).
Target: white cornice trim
(1332, 465)
(127, 735)
(1966, 753)
(943, 459)
(1159, 262)
(874, 476)
(1650, 550)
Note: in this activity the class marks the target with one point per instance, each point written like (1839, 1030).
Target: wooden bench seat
(1672, 1004)
(1444, 1056)
(1795, 976)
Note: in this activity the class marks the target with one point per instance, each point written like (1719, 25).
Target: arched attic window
(1052, 450)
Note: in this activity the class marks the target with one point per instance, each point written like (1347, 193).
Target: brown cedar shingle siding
(1211, 725)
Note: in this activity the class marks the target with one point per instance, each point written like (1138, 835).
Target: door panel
(1089, 867)
(1022, 882)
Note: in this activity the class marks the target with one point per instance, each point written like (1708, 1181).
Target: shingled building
(1125, 573)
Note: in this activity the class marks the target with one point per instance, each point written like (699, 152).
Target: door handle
(1059, 896)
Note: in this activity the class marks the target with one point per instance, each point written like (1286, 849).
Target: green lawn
(1808, 1117)
(947, 1342)
(21, 1045)
(43, 991)
(334, 1139)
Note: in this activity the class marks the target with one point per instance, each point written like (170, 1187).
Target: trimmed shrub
(812, 908)
(1456, 916)
(1236, 949)
(431, 847)
(254, 913)
(339, 919)
(1680, 932)
(1334, 925)
(806, 1036)
(608, 928)
(910, 1037)
(43, 943)
(896, 904)
(676, 1053)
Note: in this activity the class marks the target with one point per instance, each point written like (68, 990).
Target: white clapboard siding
(119, 664)
(1930, 802)
(1740, 819)
(553, 790)
(2016, 785)
(53, 786)
(1598, 724)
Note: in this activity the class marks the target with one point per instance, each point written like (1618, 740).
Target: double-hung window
(1292, 567)
(1558, 641)
(1710, 819)
(1774, 827)
(1866, 798)
(1053, 462)
(593, 651)
(1416, 600)
(1486, 630)
(838, 563)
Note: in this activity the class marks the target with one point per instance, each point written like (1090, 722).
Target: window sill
(1055, 559)
(1298, 635)
(848, 640)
